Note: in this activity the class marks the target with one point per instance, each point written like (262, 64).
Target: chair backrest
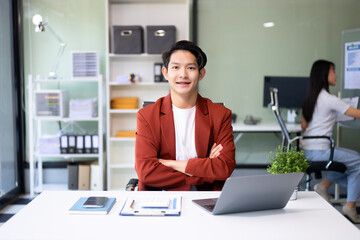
(145, 103)
(275, 109)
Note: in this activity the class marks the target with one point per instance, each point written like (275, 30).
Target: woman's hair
(187, 46)
(318, 80)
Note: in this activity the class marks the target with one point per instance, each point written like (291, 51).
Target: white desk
(47, 217)
(263, 127)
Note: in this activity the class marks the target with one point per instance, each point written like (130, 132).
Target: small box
(160, 38)
(51, 103)
(128, 39)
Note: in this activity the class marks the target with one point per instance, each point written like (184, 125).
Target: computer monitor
(291, 91)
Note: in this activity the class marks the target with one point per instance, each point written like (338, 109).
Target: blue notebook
(78, 207)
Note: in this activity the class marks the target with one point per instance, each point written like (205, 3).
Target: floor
(12, 209)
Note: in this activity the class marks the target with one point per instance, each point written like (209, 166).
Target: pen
(132, 204)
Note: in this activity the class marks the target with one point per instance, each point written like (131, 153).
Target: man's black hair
(200, 56)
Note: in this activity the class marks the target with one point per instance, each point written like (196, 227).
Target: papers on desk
(152, 206)
(78, 207)
(352, 102)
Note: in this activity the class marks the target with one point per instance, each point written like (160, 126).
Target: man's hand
(179, 166)
(215, 150)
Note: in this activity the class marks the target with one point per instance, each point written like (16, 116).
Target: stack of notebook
(124, 103)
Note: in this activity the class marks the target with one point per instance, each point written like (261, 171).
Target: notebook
(78, 207)
(252, 193)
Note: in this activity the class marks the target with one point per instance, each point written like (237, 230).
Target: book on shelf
(78, 207)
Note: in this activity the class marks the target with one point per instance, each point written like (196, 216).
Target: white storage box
(51, 103)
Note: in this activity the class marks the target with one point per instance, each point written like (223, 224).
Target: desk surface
(47, 217)
(271, 126)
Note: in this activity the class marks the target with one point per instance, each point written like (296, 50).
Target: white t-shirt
(184, 120)
(324, 116)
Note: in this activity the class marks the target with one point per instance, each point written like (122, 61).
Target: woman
(320, 109)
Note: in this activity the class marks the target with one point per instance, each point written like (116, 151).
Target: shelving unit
(36, 131)
(121, 151)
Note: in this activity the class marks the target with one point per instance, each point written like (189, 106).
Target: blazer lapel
(167, 126)
(202, 128)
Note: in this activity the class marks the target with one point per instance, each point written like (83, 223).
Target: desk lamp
(40, 27)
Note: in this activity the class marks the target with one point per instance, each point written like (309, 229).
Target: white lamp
(40, 27)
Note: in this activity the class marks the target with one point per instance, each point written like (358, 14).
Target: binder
(72, 144)
(87, 144)
(95, 143)
(84, 177)
(73, 176)
(94, 178)
(63, 144)
(79, 144)
(152, 206)
(158, 77)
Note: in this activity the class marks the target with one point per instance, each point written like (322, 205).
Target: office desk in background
(263, 127)
(47, 217)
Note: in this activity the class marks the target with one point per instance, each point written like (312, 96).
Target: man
(184, 141)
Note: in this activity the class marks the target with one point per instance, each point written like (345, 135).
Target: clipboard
(139, 206)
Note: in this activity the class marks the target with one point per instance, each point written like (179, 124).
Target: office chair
(133, 182)
(315, 167)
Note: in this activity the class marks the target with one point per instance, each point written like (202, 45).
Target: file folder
(158, 77)
(84, 177)
(79, 144)
(95, 177)
(73, 176)
(87, 143)
(63, 144)
(72, 143)
(95, 143)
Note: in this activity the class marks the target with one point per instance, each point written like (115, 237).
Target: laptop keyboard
(209, 207)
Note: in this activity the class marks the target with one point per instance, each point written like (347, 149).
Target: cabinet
(121, 151)
(41, 126)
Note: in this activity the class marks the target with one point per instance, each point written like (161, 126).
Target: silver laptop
(253, 193)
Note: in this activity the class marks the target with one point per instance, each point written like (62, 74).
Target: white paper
(352, 65)
(134, 206)
(352, 102)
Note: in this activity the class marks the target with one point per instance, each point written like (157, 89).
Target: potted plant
(287, 161)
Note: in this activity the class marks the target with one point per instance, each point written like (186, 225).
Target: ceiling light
(269, 24)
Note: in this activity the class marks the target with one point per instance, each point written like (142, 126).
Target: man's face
(183, 73)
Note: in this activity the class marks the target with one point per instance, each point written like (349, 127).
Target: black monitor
(291, 91)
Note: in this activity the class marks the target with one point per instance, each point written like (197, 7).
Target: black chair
(315, 167)
(133, 182)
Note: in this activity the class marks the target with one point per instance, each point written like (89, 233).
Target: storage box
(128, 40)
(51, 103)
(160, 38)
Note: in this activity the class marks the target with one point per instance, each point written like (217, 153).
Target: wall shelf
(36, 131)
(121, 152)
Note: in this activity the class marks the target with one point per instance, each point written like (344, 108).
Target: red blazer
(155, 138)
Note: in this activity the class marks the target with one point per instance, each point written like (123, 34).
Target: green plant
(283, 161)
